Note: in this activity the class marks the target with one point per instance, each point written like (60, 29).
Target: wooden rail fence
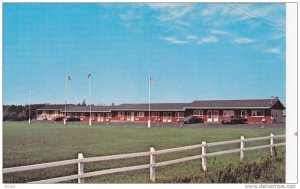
(80, 161)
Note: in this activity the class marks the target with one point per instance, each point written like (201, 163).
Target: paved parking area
(159, 124)
(210, 125)
(200, 125)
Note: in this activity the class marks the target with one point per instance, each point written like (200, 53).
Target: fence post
(242, 149)
(80, 168)
(204, 158)
(152, 165)
(271, 144)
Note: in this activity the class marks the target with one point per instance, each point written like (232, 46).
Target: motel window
(108, 115)
(94, 114)
(258, 113)
(179, 114)
(228, 113)
(140, 114)
(244, 113)
(82, 114)
(69, 114)
(198, 112)
(74, 114)
(154, 114)
(121, 114)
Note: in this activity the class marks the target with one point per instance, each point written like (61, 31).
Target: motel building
(256, 111)
(50, 112)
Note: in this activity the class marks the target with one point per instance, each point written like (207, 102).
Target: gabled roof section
(54, 106)
(249, 103)
(278, 105)
(87, 109)
(154, 107)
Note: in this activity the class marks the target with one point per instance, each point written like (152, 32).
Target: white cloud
(166, 5)
(243, 40)
(174, 14)
(219, 32)
(264, 10)
(211, 39)
(181, 23)
(207, 12)
(271, 15)
(275, 50)
(130, 16)
(174, 40)
(278, 36)
(191, 37)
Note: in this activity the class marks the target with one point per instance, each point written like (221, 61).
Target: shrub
(265, 170)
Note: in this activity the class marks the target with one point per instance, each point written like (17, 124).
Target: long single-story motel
(254, 110)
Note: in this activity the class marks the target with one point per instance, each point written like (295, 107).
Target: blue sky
(194, 51)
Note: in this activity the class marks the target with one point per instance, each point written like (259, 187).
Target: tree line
(20, 112)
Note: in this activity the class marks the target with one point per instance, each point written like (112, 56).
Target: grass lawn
(25, 144)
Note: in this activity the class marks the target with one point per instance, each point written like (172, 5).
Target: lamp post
(90, 120)
(151, 81)
(29, 107)
(67, 79)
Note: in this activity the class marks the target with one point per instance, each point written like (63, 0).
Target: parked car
(233, 120)
(58, 119)
(73, 119)
(192, 119)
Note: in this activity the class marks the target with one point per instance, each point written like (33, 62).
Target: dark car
(73, 119)
(58, 119)
(233, 120)
(192, 119)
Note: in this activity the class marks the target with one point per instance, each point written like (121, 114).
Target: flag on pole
(69, 78)
(89, 75)
(151, 80)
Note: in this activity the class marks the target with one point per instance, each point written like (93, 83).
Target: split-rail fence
(81, 160)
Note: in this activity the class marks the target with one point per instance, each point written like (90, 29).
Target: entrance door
(167, 117)
(244, 113)
(101, 117)
(132, 116)
(216, 115)
(127, 116)
(209, 116)
(98, 117)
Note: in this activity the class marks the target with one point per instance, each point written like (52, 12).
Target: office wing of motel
(254, 110)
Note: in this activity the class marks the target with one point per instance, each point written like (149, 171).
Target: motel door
(209, 116)
(132, 116)
(216, 115)
(167, 117)
(100, 117)
(127, 116)
(244, 113)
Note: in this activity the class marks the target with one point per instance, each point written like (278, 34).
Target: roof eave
(152, 110)
(227, 108)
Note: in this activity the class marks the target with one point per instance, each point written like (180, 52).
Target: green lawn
(25, 144)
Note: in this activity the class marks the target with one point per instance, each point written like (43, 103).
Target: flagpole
(90, 120)
(65, 120)
(149, 118)
(29, 106)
